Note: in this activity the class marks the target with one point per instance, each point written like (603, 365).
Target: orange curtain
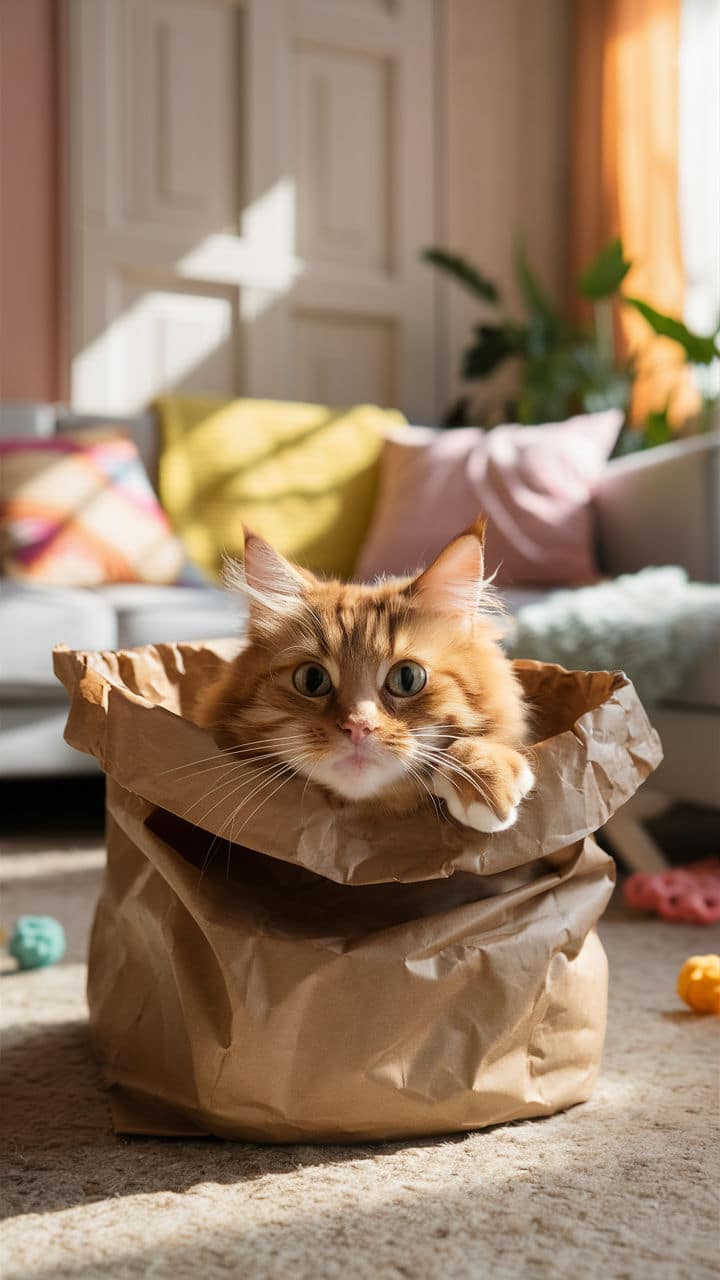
(625, 176)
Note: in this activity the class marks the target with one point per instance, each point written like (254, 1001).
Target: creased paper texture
(307, 975)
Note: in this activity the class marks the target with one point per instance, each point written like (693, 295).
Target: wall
(30, 221)
(503, 153)
(502, 141)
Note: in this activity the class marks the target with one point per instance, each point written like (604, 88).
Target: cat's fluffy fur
(460, 737)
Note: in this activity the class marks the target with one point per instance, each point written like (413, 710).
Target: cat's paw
(491, 804)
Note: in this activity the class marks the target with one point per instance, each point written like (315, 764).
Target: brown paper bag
(309, 975)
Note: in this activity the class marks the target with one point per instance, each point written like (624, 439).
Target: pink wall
(502, 165)
(30, 216)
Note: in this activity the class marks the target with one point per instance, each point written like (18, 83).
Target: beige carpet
(622, 1187)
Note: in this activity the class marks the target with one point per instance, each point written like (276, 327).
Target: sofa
(653, 508)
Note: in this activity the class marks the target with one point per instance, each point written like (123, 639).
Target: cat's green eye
(405, 679)
(311, 680)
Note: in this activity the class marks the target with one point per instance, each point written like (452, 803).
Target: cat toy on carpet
(37, 941)
(691, 893)
(698, 983)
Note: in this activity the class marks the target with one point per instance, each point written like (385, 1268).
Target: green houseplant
(564, 368)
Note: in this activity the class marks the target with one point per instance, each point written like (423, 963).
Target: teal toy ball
(37, 941)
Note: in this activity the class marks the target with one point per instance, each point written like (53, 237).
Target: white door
(251, 186)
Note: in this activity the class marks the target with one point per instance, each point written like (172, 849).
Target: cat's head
(357, 687)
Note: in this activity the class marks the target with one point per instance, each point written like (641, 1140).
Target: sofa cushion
(32, 620)
(79, 510)
(142, 430)
(32, 742)
(151, 615)
(301, 475)
(534, 484)
(689, 770)
(701, 688)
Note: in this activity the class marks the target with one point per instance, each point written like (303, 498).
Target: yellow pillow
(302, 475)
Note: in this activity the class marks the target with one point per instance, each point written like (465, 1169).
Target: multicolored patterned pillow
(79, 511)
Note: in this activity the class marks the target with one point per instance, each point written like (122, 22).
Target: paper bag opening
(593, 748)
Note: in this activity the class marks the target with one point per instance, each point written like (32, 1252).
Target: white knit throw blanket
(654, 625)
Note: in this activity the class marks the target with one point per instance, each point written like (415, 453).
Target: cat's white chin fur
(356, 779)
(477, 815)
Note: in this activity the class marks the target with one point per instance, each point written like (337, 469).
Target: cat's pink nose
(356, 730)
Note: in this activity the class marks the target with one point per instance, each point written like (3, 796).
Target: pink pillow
(534, 484)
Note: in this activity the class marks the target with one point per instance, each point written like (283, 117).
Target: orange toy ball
(698, 983)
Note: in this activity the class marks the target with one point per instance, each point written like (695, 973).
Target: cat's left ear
(455, 581)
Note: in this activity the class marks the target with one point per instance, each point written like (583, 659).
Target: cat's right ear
(455, 582)
(273, 587)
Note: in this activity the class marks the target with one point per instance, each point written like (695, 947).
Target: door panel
(176, 69)
(344, 179)
(252, 184)
(340, 359)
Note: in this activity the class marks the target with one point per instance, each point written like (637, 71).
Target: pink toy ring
(691, 893)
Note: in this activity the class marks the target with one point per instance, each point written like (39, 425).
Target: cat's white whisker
(189, 764)
(441, 762)
(213, 842)
(275, 750)
(421, 782)
(246, 799)
(265, 800)
(286, 767)
(237, 782)
(278, 767)
(231, 763)
(235, 775)
(229, 796)
(435, 761)
(474, 784)
(294, 769)
(272, 774)
(307, 782)
(235, 765)
(231, 786)
(226, 751)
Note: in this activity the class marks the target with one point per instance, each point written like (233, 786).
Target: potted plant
(564, 367)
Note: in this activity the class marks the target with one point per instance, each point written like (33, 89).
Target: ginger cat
(391, 694)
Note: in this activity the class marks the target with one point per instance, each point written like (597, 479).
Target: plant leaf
(698, 349)
(464, 273)
(630, 440)
(494, 345)
(657, 429)
(571, 377)
(605, 273)
(545, 317)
